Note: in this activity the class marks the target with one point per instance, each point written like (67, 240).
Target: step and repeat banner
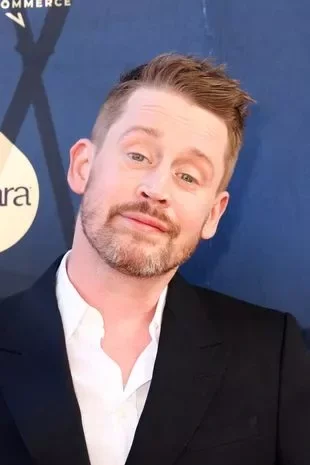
(58, 58)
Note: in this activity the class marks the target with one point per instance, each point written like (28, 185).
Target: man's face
(151, 190)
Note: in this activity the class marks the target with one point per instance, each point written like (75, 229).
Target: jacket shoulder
(42, 290)
(10, 308)
(241, 308)
(238, 319)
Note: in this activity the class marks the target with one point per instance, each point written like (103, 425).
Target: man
(111, 357)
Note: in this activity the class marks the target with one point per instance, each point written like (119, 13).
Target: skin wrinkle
(152, 133)
(131, 139)
(209, 132)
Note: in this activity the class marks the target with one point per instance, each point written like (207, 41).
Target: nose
(155, 187)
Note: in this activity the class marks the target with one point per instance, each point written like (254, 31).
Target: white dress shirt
(110, 412)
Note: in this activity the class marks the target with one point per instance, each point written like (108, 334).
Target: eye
(135, 156)
(188, 178)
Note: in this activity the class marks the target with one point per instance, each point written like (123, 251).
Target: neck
(117, 296)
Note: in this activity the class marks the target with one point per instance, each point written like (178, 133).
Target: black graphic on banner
(30, 90)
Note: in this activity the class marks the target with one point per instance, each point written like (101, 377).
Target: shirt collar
(73, 307)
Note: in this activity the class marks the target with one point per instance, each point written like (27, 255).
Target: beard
(131, 252)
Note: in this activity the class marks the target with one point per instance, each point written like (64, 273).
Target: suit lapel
(190, 364)
(35, 377)
(37, 385)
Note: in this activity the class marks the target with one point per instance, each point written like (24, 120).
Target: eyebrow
(157, 134)
(200, 155)
(147, 130)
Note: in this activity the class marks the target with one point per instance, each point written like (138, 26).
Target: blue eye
(136, 156)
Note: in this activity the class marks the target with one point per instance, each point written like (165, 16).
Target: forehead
(172, 114)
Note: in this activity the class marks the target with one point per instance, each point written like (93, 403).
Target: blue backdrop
(56, 70)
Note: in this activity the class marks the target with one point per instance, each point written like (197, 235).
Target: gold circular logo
(19, 194)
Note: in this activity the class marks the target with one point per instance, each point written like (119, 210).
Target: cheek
(192, 220)
(116, 176)
(106, 177)
(112, 187)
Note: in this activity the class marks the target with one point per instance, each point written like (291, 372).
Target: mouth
(146, 222)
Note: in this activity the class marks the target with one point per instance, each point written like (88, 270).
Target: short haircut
(199, 80)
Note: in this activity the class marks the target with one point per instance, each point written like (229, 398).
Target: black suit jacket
(231, 385)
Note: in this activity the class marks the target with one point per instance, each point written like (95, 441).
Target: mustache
(145, 208)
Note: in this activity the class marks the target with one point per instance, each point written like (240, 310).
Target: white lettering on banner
(30, 4)
(15, 4)
(5, 4)
(18, 19)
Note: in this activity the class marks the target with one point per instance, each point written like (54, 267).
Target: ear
(217, 210)
(81, 159)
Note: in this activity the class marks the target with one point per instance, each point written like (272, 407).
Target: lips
(147, 220)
